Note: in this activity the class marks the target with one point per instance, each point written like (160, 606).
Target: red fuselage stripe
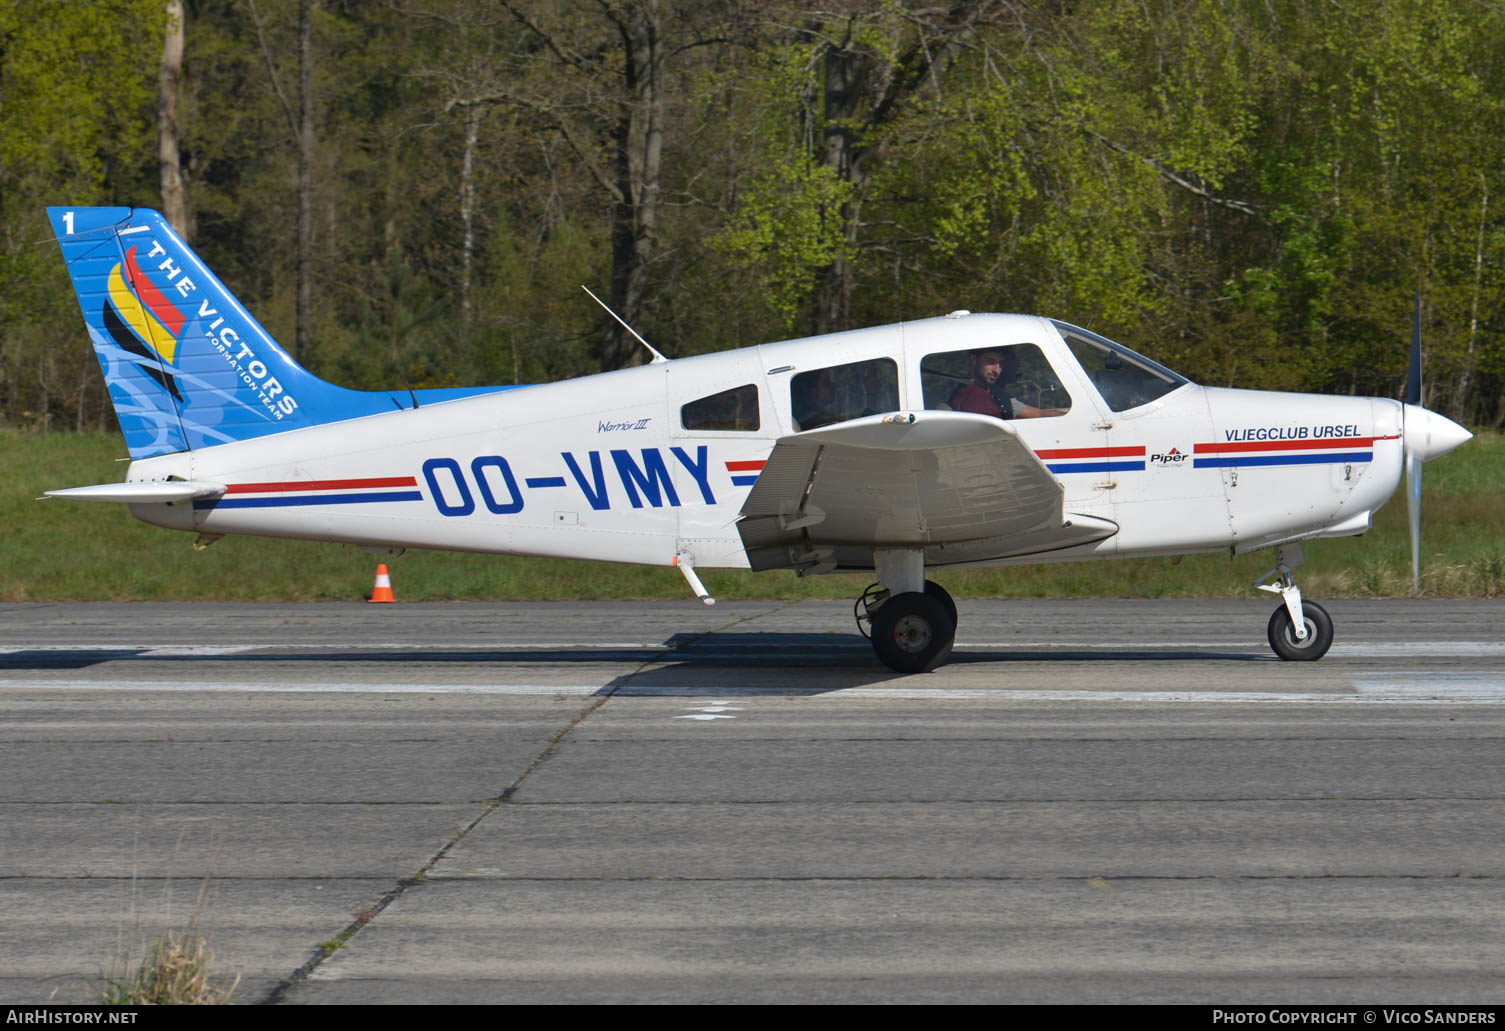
(1092, 452)
(743, 467)
(294, 485)
(1286, 445)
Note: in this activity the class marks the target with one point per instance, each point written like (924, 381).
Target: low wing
(963, 487)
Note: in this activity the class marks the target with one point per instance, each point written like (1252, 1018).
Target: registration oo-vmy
(965, 439)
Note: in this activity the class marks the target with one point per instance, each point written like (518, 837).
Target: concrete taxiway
(629, 801)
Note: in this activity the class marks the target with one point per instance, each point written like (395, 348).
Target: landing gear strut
(912, 620)
(1299, 631)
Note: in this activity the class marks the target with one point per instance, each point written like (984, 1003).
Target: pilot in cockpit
(990, 371)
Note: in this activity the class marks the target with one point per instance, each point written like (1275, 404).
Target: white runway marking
(1388, 689)
(314, 687)
(137, 650)
(140, 650)
(1352, 649)
(714, 711)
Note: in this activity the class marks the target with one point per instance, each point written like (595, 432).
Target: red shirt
(969, 397)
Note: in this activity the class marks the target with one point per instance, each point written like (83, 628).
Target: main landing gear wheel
(1319, 633)
(913, 632)
(941, 595)
(877, 594)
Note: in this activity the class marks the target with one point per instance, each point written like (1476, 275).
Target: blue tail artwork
(186, 365)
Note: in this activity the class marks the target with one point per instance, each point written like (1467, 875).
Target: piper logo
(1175, 456)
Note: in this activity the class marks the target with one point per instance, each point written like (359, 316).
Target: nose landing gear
(1299, 631)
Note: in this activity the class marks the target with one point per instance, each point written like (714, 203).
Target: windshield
(1125, 379)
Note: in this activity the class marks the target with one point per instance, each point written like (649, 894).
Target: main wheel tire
(912, 633)
(1319, 633)
(941, 595)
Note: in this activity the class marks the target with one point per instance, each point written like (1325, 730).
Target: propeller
(1413, 464)
(1426, 435)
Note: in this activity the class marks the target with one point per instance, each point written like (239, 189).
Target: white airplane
(963, 440)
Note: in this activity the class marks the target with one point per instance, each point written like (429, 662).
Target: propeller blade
(1413, 462)
(1413, 374)
(1413, 514)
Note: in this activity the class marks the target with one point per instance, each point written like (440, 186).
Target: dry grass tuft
(175, 973)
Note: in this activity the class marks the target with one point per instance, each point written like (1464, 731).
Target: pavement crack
(688, 641)
(369, 914)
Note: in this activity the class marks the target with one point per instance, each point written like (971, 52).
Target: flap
(964, 487)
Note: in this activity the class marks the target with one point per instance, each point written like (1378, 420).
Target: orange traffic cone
(383, 589)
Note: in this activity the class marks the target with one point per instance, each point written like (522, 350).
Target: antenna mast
(656, 356)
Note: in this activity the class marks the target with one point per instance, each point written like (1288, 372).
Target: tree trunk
(174, 205)
(304, 342)
(639, 140)
(1461, 408)
(838, 107)
(467, 213)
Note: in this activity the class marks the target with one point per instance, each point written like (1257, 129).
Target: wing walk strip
(297, 493)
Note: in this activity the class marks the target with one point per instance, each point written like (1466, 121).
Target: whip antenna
(656, 356)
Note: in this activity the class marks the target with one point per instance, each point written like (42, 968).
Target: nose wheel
(1318, 627)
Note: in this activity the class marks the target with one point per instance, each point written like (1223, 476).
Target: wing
(963, 487)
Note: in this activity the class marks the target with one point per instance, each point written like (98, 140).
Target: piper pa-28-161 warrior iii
(960, 440)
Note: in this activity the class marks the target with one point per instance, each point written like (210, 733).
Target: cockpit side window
(822, 397)
(735, 409)
(1012, 382)
(1125, 379)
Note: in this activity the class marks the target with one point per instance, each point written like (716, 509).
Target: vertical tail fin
(186, 365)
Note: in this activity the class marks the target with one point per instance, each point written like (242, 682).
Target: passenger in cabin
(875, 391)
(991, 370)
(815, 400)
(826, 396)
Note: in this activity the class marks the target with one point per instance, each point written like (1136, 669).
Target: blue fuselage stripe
(312, 499)
(1225, 461)
(1095, 467)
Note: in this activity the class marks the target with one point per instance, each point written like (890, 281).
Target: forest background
(1250, 191)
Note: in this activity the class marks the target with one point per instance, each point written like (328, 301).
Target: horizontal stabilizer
(144, 493)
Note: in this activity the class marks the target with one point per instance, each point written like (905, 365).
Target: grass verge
(68, 551)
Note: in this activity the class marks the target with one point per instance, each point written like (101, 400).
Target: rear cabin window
(1013, 382)
(735, 409)
(822, 397)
